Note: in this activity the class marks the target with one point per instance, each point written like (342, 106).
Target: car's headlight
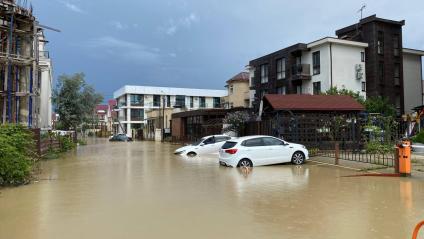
(303, 146)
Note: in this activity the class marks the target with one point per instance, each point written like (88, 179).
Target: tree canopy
(376, 104)
(75, 101)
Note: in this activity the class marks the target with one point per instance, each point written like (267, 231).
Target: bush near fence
(17, 154)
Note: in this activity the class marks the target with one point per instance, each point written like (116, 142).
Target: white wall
(412, 80)
(46, 81)
(344, 60)
(324, 76)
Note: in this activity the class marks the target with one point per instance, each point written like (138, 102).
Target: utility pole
(163, 117)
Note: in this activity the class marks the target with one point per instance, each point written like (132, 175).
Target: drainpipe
(331, 65)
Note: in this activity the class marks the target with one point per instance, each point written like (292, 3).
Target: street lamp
(163, 116)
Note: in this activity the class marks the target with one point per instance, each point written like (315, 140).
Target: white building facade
(412, 79)
(311, 68)
(134, 101)
(45, 75)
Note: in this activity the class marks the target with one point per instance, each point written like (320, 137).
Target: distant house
(238, 91)
(135, 101)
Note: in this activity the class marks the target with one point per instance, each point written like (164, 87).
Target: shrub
(375, 147)
(419, 138)
(66, 143)
(17, 154)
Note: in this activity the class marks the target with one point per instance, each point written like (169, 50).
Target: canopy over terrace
(310, 119)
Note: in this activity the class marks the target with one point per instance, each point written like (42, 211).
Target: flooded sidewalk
(142, 190)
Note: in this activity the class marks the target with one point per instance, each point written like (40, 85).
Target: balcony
(44, 54)
(301, 72)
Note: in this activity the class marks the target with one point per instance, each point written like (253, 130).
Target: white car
(261, 150)
(206, 145)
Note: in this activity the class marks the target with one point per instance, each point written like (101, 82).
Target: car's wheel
(245, 163)
(191, 154)
(298, 158)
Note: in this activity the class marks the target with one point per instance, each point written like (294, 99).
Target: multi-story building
(309, 69)
(392, 71)
(25, 68)
(367, 57)
(133, 101)
(237, 91)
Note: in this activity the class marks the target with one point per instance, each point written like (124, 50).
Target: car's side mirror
(202, 144)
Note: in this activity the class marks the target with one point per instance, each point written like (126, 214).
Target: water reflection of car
(206, 145)
(261, 150)
(120, 138)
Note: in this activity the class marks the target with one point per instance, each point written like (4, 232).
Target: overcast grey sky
(194, 43)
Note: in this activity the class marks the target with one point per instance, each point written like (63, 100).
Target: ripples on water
(142, 190)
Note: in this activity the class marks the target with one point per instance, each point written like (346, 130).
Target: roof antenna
(362, 9)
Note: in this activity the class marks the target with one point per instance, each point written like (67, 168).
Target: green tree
(335, 91)
(75, 101)
(236, 122)
(372, 104)
(380, 105)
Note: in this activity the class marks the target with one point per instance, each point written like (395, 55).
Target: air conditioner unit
(359, 72)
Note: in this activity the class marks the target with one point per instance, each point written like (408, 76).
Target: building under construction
(19, 64)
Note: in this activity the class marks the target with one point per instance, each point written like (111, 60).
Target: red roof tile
(242, 76)
(313, 102)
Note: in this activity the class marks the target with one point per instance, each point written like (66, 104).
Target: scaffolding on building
(18, 63)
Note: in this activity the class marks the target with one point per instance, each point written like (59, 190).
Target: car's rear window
(229, 145)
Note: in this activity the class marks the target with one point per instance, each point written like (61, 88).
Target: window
(137, 115)
(168, 101)
(299, 89)
(396, 45)
(316, 62)
(364, 86)
(381, 72)
(180, 101)
(253, 142)
(380, 43)
(272, 142)
(231, 89)
(264, 73)
(221, 138)
(317, 88)
(229, 145)
(191, 101)
(202, 102)
(397, 103)
(156, 100)
(362, 56)
(397, 74)
(281, 90)
(281, 68)
(216, 102)
(210, 140)
(137, 100)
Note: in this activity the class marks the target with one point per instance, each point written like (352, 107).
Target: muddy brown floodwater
(142, 190)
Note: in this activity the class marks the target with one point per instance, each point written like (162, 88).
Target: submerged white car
(261, 150)
(206, 145)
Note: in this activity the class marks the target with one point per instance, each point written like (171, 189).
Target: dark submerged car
(120, 138)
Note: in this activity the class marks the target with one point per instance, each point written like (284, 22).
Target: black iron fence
(320, 133)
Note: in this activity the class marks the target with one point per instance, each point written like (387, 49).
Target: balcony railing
(301, 72)
(44, 54)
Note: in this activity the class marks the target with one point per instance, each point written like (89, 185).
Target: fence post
(337, 153)
(396, 160)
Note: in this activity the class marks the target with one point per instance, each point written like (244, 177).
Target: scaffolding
(19, 87)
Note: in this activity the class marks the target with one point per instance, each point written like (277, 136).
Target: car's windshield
(198, 141)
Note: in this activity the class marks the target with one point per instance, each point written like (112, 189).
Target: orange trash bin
(404, 157)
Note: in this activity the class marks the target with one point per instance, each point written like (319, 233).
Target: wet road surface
(142, 190)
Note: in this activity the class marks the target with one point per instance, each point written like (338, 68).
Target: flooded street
(142, 190)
